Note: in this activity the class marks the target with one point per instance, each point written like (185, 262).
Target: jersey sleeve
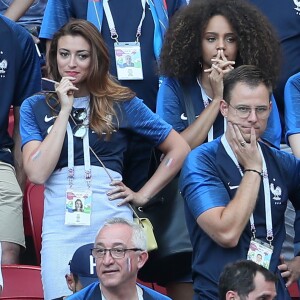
(29, 129)
(272, 134)
(146, 123)
(292, 105)
(29, 75)
(200, 183)
(57, 13)
(169, 105)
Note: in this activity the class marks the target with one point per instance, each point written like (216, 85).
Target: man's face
(264, 290)
(118, 272)
(243, 99)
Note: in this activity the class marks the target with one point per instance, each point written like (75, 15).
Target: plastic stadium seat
(294, 291)
(34, 201)
(22, 282)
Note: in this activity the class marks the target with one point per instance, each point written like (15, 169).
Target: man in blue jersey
(19, 78)
(236, 188)
(120, 251)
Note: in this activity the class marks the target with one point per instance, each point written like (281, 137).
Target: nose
(252, 117)
(221, 44)
(72, 61)
(107, 258)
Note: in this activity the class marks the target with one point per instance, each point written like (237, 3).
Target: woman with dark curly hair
(204, 41)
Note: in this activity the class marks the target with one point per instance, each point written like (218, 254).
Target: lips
(72, 73)
(109, 271)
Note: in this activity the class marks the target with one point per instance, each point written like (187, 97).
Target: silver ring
(243, 143)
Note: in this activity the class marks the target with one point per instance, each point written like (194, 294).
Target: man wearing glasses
(119, 251)
(236, 188)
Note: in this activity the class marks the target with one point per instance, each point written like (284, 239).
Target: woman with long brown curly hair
(74, 141)
(205, 41)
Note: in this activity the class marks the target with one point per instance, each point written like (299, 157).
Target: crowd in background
(157, 77)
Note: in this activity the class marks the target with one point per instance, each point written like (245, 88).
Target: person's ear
(224, 108)
(231, 295)
(142, 258)
(70, 282)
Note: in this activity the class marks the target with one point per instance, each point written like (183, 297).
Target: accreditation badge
(78, 207)
(128, 61)
(260, 252)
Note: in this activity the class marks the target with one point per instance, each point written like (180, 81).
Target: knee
(10, 253)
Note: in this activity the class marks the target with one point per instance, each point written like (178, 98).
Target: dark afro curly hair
(257, 42)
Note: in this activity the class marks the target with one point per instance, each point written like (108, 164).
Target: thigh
(11, 211)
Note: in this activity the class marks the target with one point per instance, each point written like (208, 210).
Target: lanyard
(266, 185)
(112, 28)
(86, 153)
(159, 13)
(205, 99)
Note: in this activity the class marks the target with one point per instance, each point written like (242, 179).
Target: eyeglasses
(114, 252)
(79, 115)
(244, 112)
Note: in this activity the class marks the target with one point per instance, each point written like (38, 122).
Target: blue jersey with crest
(133, 116)
(209, 179)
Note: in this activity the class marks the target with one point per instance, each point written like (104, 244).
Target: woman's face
(78, 205)
(218, 35)
(74, 58)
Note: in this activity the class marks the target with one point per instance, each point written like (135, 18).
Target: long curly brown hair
(257, 42)
(104, 90)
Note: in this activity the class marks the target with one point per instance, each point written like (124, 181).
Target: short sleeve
(29, 129)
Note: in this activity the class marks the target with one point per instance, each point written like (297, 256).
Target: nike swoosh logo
(233, 187)
(48, 119)
(183, 117)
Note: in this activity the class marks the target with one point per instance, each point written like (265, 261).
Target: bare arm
(294, 141)
(175, 150)
(197, 132)
(40, 158)
(17, 9)
(226, 224)
(18, 162)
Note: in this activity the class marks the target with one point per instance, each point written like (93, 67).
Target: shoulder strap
(187, 103)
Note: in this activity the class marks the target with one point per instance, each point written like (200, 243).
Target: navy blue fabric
(92, 292)
(205, 178)
(133, 116)
(292, 105)
(33, 15)
(126, 15)
(20, 75)
(169, 99)
(170, 96)
(285, 17)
